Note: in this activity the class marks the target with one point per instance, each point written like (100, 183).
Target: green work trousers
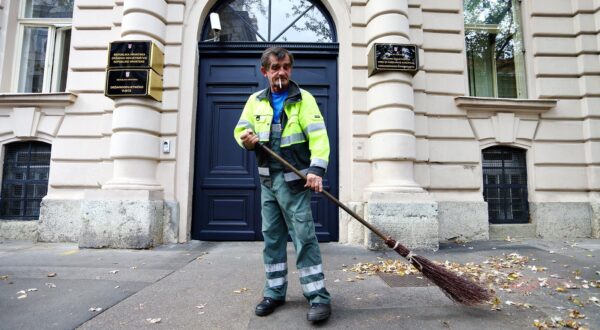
(284, 212)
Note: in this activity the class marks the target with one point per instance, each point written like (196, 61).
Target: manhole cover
(406, 281)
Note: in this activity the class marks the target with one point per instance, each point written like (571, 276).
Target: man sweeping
(287, 119)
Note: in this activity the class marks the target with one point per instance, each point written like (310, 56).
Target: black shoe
(318, 312)
(267, 306)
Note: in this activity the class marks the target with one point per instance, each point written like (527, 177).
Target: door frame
(305, 50)
(182, 97)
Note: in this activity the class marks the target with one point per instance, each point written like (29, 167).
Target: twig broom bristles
(457, 288)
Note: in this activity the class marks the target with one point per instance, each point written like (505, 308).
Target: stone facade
(417, 137)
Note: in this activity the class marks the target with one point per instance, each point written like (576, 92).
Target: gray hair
(279, 53)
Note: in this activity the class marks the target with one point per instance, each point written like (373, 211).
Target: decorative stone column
(395, 202)
(128, 211)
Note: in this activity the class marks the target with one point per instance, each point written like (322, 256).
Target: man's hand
(249, 139)
(314, 182)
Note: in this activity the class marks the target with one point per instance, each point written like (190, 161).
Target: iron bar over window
(505, 185)
(24, 180)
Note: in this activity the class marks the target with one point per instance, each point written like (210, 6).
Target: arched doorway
(226, 193)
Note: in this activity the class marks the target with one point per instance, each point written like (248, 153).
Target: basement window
(24, 179)
(505, 185)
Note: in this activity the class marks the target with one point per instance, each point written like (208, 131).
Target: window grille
(505, 185)
(24, 180)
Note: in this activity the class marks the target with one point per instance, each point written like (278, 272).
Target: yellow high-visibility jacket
(304, 141)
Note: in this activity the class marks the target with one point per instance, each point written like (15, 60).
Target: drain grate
(406, 281)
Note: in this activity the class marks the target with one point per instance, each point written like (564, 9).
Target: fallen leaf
(496, 303)
(241, 290)
(23, 296)
(51, 274)
(556, 320)
(512, 303)
(201, 306)
(513, 276)
(114, 271)
(572, 324)
(153, 321)
(51, 285)
(32, 290)
(95, 309)
(576, 314)
(576, 301)
(3, 277)
(595, 301)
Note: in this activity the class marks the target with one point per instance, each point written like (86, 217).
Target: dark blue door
(226, 197)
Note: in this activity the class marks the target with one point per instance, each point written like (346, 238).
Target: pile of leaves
(504, 273)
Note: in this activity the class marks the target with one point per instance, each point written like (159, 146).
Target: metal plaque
(133, 82)
(393, 57)
(135, 54)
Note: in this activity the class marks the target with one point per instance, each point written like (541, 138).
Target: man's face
(279, 73)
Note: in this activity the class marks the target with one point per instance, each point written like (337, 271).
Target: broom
(458, 289)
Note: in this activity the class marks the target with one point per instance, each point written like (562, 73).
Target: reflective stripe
(287, 140)
(312, 270)
(277, 282)
(313, 286)
(291, 176)
(263, 136)
(264, 171)
(269, 268)
(315, 127)
(318, 162)
(276, 128)
(244, 123)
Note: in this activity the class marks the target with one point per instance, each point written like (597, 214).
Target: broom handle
(324, 192)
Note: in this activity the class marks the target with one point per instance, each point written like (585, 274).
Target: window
(24, 180)
(494, 48)
(43, 52)
(272, 21)
(505, 185)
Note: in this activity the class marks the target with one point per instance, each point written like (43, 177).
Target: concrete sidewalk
(204, 285)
